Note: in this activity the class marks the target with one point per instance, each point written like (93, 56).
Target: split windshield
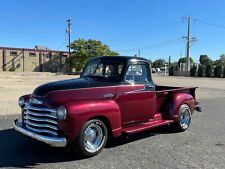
(104, 70)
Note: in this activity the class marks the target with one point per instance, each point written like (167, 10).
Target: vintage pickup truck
(112, 97)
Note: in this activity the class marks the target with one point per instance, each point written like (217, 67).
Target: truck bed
(163, 94)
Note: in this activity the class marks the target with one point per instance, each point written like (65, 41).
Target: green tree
(184, 59)
(171, 70)
(224, 72)
(201, 70)
(218, 70)
(158, 63)
(83, 50)
(193, 70)
(208, 70)
(205, 60)
(222, 59)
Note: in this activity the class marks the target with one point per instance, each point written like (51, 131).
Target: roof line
(33, 50)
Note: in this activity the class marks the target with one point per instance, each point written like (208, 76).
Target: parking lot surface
(202, 146)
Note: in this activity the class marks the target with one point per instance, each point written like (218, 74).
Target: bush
(224, 72)
(218, 70)
(171, 70)
(208, 70)
(201, 70)
(193, 71)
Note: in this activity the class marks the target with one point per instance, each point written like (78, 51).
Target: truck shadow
(125, 139)
(20, 151)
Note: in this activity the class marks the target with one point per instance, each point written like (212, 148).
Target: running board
(145, 126)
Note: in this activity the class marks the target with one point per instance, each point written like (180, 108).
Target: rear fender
(80, 112)
(178, 100)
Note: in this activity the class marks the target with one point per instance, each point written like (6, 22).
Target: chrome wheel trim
(94, 137)
(185, 118)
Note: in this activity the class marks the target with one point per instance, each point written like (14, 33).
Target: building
(39, 59)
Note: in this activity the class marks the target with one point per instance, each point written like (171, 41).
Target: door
(137, 96)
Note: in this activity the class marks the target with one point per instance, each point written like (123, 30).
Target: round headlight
(61, 113)
(21, 102)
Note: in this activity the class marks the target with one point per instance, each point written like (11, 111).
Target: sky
(156, 27)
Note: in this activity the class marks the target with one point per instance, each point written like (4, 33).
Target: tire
(184, 118)
(92, 138)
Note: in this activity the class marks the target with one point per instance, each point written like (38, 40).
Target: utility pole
(68, 31)
(188, 45)
(169, 61)
(189, 40)
(139, 53)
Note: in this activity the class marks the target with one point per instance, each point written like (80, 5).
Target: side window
(137, 73)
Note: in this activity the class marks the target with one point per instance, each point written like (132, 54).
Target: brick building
(39, 59)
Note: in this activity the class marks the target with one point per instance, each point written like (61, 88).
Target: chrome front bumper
(53, 141)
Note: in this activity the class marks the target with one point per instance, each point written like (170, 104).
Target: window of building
(32, 54)
(13, 53)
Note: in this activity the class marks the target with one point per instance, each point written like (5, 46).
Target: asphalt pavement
(202, 146)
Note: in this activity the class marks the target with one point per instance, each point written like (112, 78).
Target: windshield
(104, 70)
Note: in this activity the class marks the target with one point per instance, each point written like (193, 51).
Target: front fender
(178, 100)
(80, 112)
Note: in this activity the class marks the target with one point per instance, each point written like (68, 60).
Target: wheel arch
(178, 100)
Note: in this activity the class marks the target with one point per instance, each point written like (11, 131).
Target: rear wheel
(92, 138)
(184, 118)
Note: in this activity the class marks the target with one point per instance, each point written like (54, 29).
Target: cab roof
(122, 58)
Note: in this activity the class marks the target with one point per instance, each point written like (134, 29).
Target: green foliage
(222, 59)
(201, 70)
(205, 60)
(171, 70)
(83, 50)
(208, 70)
(193, 70)
(218, 70)
(184, 59)
(158, 63)
(224, 72)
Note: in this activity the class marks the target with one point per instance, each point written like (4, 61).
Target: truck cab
(113, 96)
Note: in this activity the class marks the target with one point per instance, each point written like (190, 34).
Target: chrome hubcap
(93, 138)
(185, 118)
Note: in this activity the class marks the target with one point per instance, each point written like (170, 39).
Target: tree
(205, 60)
(158, 63)
(218, 70)
(208, 70)
(171, 70)
(83, 50)
(222, 59)
(184, 59)
(224, 72)
(193, 70)
(201, 70)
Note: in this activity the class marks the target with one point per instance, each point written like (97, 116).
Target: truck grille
(40, 120)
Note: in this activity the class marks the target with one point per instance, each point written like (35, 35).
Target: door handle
(149, 86)
(108, 95)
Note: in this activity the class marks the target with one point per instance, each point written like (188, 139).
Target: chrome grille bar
(28, 106)
(41, 130)
(40, 125)
(38, 119)
(41, 114)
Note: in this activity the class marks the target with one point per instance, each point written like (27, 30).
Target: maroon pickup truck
(112, 97)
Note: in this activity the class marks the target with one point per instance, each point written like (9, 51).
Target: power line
(211, 24)
(156, 45)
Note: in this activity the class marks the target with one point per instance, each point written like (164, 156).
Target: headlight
(61, 113)
(21, 102)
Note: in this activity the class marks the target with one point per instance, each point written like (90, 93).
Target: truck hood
(68, 84)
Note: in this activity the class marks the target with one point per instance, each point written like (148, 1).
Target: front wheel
(92, 138)
(184, 118)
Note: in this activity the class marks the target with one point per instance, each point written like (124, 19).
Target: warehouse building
(39, 59)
